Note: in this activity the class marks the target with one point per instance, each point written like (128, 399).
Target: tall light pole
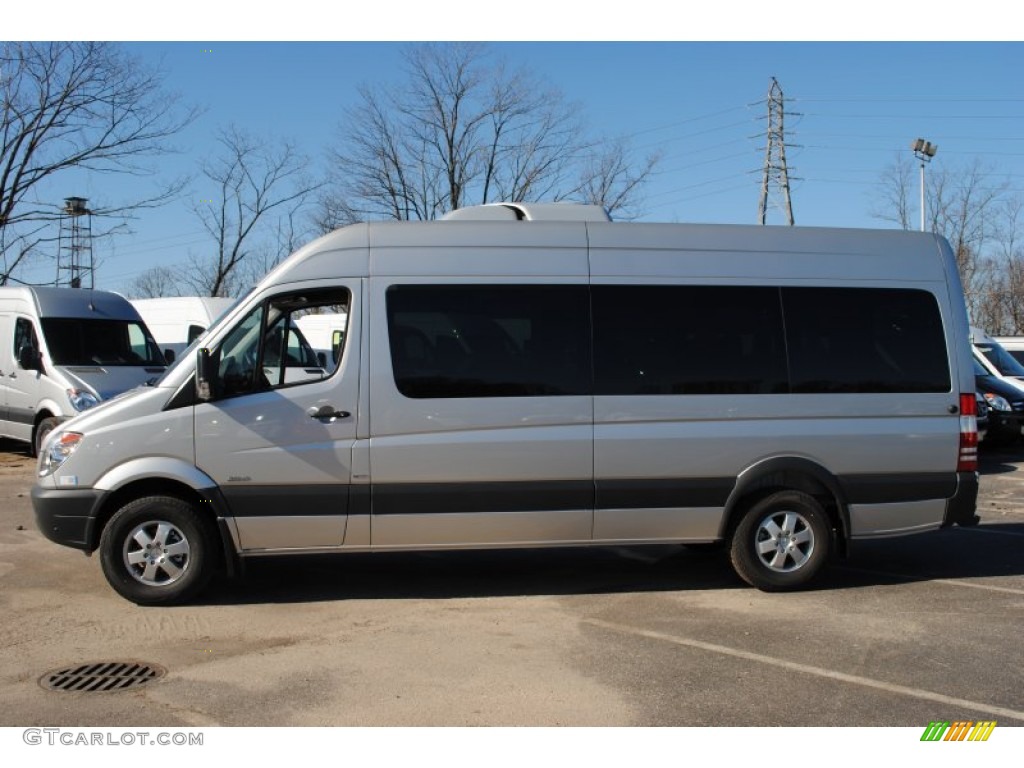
(923, 151)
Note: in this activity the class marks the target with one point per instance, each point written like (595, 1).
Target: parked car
(983, 421)
(1005, 405)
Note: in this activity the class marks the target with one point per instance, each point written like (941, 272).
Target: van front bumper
(66, 516)
(961, 508)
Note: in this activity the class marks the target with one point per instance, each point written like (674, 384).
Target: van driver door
(278, 434)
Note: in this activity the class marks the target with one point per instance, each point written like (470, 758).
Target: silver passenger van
(62, 351)
(537, 375)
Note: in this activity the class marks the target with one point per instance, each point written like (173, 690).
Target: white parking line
(933, 580)
(867, 682)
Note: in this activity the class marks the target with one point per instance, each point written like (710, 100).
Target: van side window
(24, 336)
(140, 345)
(865, 340)
(266, 350)
(688, 340)
(455, 341)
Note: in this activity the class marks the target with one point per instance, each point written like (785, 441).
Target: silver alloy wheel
(156, 553)
(784, 541)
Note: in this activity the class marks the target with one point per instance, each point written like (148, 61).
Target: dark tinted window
(1004, 362)
(865, 340)
(24, 336)
(489, 340)
(77, 341)
(676, 340)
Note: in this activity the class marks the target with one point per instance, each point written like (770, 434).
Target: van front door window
(267, 350)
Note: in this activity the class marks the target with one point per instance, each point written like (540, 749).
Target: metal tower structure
(775, 181)
(74, 246)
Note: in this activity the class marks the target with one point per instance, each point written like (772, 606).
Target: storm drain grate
(101, 676)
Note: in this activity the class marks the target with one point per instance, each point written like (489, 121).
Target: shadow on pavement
(986, 551)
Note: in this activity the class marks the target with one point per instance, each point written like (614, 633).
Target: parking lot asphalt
(904, 632)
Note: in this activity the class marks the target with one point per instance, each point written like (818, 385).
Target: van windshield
(77, 341)
(1004, 362)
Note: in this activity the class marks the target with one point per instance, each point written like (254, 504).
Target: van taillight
(968, 457)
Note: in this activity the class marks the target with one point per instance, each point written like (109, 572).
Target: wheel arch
(164, 477)
(789, 473)
(50, 408)
(42, 414)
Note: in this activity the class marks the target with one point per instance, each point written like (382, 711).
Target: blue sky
(699, 103)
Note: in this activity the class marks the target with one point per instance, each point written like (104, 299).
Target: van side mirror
(28, 358)
(169, 355)
(207, 363)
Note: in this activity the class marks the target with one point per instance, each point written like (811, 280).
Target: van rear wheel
(158, 550)
(782, 542)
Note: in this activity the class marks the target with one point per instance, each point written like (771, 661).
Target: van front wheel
(158, 550)
(43, 430)
(782, 541)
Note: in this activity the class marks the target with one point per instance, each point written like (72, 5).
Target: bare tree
(253, 180)
(968, 206)
(289, 231)
(1007, 263)
(75, 105)
(155, 283)
(463, 131)
(988, 303)
(896, 190)
(963, 207)
(613, 180)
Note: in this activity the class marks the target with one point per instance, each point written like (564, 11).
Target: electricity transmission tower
(775, 181)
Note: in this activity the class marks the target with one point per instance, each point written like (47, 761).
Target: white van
(177, 321)
(325, 333)
(64, 351)
(536, 375)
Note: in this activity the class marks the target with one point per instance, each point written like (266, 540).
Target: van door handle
(327, 412)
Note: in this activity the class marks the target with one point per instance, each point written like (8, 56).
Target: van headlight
(997, 402)
(59, 449)
(82, 400)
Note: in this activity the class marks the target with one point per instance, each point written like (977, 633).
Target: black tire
(158, 550)
(44, 428)
(782, 542)
(1002, 435)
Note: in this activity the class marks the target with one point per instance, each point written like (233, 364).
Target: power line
(944, 116)
(905, 99)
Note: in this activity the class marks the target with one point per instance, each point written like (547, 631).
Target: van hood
(106, 381)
